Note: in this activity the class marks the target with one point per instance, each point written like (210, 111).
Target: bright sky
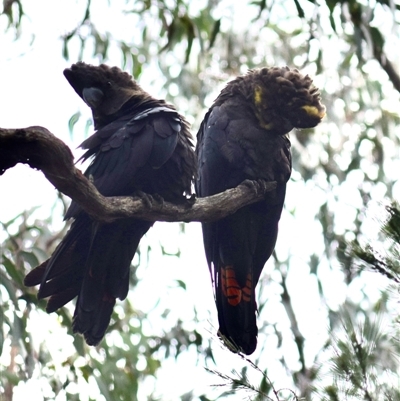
(34, 92)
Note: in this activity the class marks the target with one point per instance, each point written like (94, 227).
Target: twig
(386, 65)
(298, 337)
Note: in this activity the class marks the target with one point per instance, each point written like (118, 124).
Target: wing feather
(122, 150)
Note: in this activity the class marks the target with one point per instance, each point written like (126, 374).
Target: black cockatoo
(244, 136)
(141, 145)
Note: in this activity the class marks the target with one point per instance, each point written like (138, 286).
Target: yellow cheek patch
(258, 100)
(257, 96)
(314, 111)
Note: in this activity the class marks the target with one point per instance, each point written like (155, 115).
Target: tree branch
(298, 337)
(387, 66)
(40, 149)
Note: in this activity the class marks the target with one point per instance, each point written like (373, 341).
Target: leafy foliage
(387, 263)
(118, 366)
(365, 360)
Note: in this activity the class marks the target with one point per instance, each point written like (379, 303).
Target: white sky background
(33, 91)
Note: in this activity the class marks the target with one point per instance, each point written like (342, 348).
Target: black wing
(93, 260)
(127, 150)
(231, 148)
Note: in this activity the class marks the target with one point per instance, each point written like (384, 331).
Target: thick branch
(40, 149)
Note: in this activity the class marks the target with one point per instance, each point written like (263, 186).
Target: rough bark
(40, 149)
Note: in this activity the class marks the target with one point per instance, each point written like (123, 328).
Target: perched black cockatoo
(244, 136)
(141, 145)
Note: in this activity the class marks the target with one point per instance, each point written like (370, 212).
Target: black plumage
(244, 136)
(141, 145)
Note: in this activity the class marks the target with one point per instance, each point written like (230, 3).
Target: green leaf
(190, 36)
(3, 320)
(214, 33)
(300, 11)
(30, 257)
(12, 270)
(377, 38)
(72, 121)
(181, 284)
(79, 345)
(88, 125)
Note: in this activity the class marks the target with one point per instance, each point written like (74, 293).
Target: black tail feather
(35, 276)
(62, 298)
(106, 276)
(237, 315)
(93, 263)
(93, 323)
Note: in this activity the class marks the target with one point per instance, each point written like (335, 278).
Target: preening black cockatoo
(244, 136)
(141, 145)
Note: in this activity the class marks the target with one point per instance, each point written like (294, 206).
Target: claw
(191, 201)
(258, 186)
(252, 184)
(146, 198)
(158, 198)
